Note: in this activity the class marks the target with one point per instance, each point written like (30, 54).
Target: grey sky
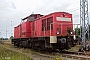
(14, 10)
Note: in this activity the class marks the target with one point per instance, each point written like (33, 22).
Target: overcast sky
(11, 11)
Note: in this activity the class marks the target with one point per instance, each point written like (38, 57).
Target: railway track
(77, 55)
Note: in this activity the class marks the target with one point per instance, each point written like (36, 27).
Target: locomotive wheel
(30, 45)
(16, 44)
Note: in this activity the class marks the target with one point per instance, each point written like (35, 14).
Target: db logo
(63, 15)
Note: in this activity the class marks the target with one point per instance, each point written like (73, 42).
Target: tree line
(77, 31)
(11, 37)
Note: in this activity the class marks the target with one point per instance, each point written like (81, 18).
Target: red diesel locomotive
(52, 31)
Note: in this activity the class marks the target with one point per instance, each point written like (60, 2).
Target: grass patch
(75, 48)
(6, 54)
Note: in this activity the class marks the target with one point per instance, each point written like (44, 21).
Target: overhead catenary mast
(6, 31)
(84, 21)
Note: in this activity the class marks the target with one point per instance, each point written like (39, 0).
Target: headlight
(57, 32)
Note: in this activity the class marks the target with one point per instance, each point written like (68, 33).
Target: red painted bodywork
(17, 32)
(62, 25)
(26, 29)
(34, 28)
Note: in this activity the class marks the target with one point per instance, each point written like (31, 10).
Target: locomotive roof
(58, 12)
(31, 15)
(44, 15)
(52, 14)
(55, 13)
